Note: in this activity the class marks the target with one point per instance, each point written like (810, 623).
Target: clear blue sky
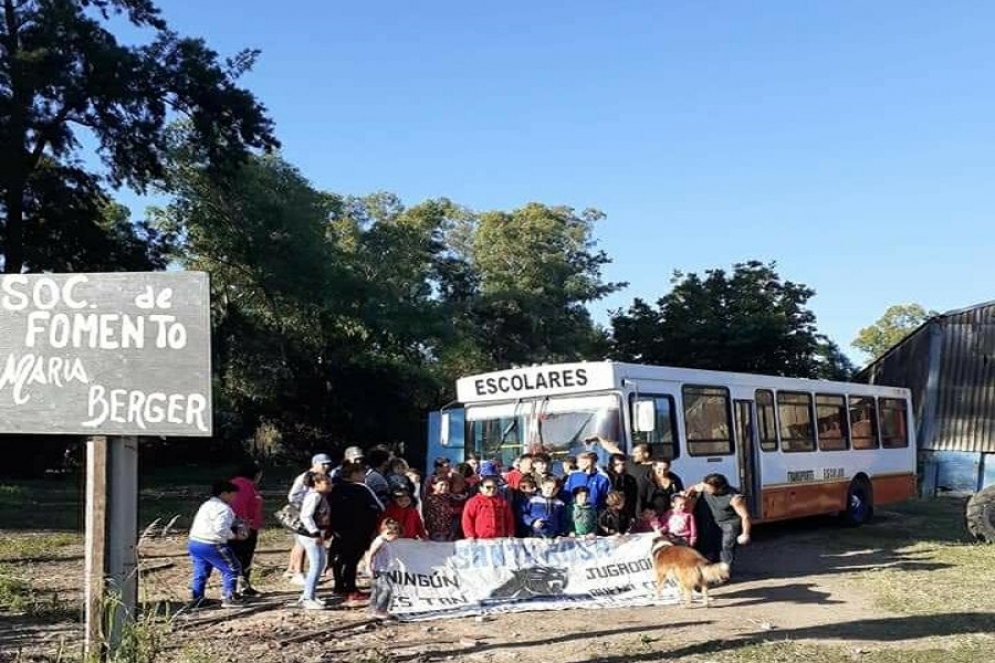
(852, 142)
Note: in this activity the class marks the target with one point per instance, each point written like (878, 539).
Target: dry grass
(935, 567)
(974, 650)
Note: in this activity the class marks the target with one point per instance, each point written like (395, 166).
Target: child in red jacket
(402, 509)
(487, 515)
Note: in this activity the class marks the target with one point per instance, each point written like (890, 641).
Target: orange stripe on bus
(894, 488)
(786, 501)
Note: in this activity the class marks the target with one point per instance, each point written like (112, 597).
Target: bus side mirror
(444, 430)
(645, 416)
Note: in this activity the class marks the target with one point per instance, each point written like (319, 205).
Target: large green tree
(749, 320)
(895, 324)
(64, 77)
(522, 280)
(325, 322)
(260, 231)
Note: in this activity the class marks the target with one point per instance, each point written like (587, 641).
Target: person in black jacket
(355, 511)
(624, 483)
(615, 519)
(657, 492)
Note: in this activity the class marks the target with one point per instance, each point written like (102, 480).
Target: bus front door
(746, 450)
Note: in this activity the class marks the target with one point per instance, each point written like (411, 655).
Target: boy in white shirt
(212, 528)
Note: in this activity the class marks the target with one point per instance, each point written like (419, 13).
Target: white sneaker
(313, 604)
(298, 580)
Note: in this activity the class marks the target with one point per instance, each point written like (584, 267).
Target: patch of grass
(922, 560)
(939, 578)
(51, 503)
(195, 654)
(17, 596)
(783, 651)
(29, 546)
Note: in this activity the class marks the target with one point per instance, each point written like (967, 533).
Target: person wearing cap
(397, 478)
(352, 455)
(355, 512)
(320, 464)
(401, 508)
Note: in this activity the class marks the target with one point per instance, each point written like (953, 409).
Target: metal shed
(949, 365)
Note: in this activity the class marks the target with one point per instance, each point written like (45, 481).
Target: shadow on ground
(888, 629)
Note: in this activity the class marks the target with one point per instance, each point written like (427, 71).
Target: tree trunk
(14, 245)
(17, 177)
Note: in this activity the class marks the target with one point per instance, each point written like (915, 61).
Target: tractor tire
(981, 515)
(859, 503)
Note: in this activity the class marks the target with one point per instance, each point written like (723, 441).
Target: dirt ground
(802, 583)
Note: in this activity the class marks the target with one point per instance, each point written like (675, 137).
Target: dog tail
(714, 573)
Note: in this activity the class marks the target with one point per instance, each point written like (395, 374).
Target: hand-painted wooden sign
(105, 354)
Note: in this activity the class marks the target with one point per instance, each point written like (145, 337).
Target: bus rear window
(706, 421)
(863, 422)
(795, 413)
(894, 433)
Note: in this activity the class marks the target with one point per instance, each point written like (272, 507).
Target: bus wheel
(859, 502)
(981, 515)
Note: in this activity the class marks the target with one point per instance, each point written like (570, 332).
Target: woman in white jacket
(314, 536)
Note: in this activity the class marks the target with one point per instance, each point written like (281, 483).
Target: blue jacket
(598, 486)
(553, 513)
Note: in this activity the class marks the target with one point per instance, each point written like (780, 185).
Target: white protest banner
(105, 354)
(429, 580)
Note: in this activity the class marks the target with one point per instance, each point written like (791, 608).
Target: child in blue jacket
(546, 514)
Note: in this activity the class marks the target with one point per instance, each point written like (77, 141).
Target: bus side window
(863, 422)
(894, 434)
(766, 419)
(830, 419)
(662, 438)
(707, 421)
(794, 410)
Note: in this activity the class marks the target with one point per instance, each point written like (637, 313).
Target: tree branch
(45, 134)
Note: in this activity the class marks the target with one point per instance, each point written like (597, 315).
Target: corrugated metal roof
(965, 413)
(862, 375)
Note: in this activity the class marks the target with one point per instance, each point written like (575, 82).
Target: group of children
(540, 504)
(342, 517)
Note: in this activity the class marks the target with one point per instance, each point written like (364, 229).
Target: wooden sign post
(110, 356)
(111, 575)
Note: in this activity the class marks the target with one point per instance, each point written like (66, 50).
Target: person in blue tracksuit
(213, 527)
(546, 514)
(588, 475)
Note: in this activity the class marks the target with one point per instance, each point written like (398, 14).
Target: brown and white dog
(687, 567)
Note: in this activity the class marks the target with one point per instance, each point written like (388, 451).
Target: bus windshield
(556, 425)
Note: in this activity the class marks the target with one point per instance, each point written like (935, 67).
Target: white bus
(795, 447)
